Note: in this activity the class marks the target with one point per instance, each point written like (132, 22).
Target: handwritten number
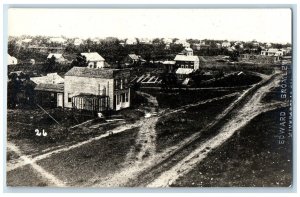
(38, 133)
(44, 133)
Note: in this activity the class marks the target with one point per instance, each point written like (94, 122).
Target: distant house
(96, 90)
(131, 41)
(196, 46)
(94, 60)
(186, 63)
(184, 43)
(132, 59)
(272, 52)
(268, 45)
(188, 51)
(59, 58)
(50, 78)
(145, 41)
(225, 44)
(58, 40)
(11, 60)
(78, 42)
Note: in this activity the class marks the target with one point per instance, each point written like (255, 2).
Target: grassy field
(174, 128)
(25, 176)
(252, 157)
(96, 159)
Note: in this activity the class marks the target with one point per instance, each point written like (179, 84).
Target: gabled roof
(134, 56)
(50, 87)
(184, 71)
(188, 49)
(56, 55)
(92, 72)
(168, 62)
(272, 50)
(92, 56)
(186, 58)
(51, 78)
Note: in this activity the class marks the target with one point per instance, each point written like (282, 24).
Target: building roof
(168, 62)
(92, 72)
(188, 49)
(273, 50)
(50, 87)
(184, 71)
(186, 58)
(51, 78)
(92, 56)
(57, 40)
(134, 56)
(56, 55)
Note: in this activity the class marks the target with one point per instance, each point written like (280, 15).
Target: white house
(225, 44)
(272, 52)
(94, 60)
(183, 42)
(131, 41)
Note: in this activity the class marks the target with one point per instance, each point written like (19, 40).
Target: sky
(264, 25)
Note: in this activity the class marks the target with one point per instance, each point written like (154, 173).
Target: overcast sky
(266, 25)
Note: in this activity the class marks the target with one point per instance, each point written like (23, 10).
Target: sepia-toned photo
(149, 98)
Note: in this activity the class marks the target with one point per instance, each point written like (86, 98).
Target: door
(59, 99)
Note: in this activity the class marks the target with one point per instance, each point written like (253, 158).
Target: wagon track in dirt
(165, 162)
(249, 111)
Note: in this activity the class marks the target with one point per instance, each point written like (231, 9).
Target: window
(116, 84)
(118, 99)
(126, 97)
(69, 98)
(123, 97)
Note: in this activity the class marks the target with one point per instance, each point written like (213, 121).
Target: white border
(3, 105)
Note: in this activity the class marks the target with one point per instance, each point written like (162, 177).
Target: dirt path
(250, 110)
(132, 169)
(45, 174)
(146, 137)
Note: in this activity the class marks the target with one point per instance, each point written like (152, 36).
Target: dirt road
(250, 110)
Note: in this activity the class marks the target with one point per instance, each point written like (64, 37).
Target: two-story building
(96, 89)
(186, 63)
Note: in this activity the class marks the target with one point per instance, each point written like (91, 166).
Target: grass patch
(96, 159)
(25, 176)
(252, 157)
(174, 128)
